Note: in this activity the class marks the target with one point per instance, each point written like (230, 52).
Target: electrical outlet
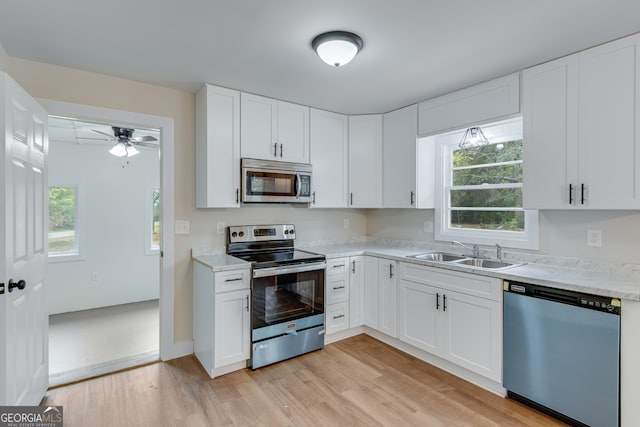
(594, 238)
(346, 223)
(95, 276)
(220, 226)
(182, 227)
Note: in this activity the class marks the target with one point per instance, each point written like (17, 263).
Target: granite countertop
(221, 262)
(617, 281)
(594, 281)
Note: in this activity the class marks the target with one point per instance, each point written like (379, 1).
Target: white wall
(4, 59)
(112, 217)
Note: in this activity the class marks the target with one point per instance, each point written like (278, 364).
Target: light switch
(182, 227)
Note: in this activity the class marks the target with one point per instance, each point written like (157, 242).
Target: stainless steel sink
(485, 263)
(438, 257)
(448, 258)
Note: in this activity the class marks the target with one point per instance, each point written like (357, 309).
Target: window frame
(77, 255)
(445, 144)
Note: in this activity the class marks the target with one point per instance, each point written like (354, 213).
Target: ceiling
(413, 49)
(65, 130)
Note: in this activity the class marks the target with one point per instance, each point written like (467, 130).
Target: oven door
(287, 299)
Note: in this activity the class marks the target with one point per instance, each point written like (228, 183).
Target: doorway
(104, 248)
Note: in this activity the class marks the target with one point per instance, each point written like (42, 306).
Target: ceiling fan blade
(145, 138)
(104, 133)
(145, 144)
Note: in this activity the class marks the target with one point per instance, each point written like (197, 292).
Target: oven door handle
(277, 271)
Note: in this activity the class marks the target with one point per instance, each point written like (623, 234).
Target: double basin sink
(447, 258)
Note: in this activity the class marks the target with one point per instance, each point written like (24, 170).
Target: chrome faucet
(475, 249)
(498, 252)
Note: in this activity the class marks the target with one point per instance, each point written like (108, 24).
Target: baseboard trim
(176, 350)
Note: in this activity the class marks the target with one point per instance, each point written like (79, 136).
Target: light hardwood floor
(356, 382)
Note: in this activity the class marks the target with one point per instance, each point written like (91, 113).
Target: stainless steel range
(287, 292)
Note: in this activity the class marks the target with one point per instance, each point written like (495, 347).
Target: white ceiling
(413, 49)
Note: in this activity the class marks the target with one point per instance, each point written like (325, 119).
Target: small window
(152, 232)
(155, 227)
(480, 189)
(63, 226)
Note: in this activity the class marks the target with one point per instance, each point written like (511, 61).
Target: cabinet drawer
(337, 266)
(337, 317)
(232, 280)
(337, 289)
(470, 284)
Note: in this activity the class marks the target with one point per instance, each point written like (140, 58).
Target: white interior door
(23, 318)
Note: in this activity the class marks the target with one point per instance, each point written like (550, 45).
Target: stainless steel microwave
(268, 181)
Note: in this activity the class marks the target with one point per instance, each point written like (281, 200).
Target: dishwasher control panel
(592, 302)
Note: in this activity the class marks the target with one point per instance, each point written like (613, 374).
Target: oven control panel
(261, 233)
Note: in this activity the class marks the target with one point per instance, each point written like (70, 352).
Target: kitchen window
(63, 222)
(479, 189)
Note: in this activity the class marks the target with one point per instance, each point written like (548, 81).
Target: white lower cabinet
(356, 291)
(371, 291)
(221, 319)
(453, 315)
(337, 295)
(337, 317)
(387, 296)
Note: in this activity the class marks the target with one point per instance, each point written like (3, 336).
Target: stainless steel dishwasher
(561, 353)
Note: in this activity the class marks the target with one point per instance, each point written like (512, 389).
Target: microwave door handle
(298, 185)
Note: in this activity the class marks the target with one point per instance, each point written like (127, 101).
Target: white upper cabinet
(399, 158)
(274, 130)
(329, 157)
(581, 129)
(217, 148)
(365, 161)
(489, 101)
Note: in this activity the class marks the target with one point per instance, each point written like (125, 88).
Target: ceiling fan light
(337, 48)
(131, 151)
(118, 150)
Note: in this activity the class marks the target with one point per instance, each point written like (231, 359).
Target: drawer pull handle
(338, 317)
(233, 280)
(338, 265)
(338, 287)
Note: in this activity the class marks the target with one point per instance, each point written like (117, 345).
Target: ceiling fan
(126, 142)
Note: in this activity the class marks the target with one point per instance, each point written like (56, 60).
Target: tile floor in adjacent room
(88, 343)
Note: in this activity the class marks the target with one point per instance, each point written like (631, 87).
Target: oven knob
(234, 234)
(292, 231)
(241, 233)
(286, 232)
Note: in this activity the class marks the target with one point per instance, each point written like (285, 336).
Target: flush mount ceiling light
(337, 48)
(473, 137)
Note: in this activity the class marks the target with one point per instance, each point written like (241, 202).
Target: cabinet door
(550, 120)
(418, 309)
(232, 327)
(473, 333)
(217, 148)
(329, 157)
(293, 133)
(356, 291)
(609, 122)
(337, 317)
(400, 129)
(387, 297)
(365, 161)
(259, 123)
(371, 291)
